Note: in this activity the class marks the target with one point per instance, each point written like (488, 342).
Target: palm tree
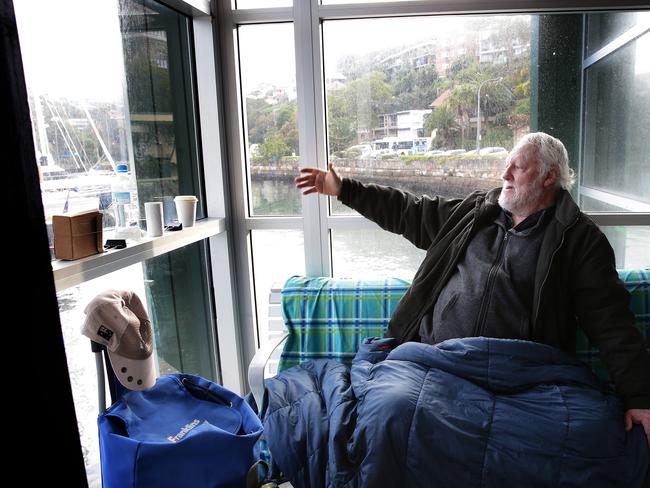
(462, 101)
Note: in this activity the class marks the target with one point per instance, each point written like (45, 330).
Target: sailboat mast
(99, 138)
(42, 146)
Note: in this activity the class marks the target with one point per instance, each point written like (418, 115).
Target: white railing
(276, 329)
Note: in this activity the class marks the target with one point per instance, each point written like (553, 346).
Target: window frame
(316, 221)
(639, 212)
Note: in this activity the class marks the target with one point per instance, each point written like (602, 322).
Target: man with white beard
(517, 262)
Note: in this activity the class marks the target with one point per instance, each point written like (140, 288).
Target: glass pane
(616, 155)
(370, 254)
(263, 3)
(608, 202)
(162, 111)
(173, 289)
(337, 2)
(124, 100)
(268, 78)
(631, 245)
(277, 255)
(405, 113)
(603, 28)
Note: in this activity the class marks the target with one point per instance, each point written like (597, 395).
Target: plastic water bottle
(125, 204)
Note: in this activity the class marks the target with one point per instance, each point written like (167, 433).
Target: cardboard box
(77, 235)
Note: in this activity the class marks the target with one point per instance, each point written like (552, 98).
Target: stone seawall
(448, 177)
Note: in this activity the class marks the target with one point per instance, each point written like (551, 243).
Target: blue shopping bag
(185, 431)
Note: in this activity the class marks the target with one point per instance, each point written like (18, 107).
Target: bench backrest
(328, 318)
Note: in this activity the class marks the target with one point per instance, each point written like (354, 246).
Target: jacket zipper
(548, 271)
(447, 271)
(445, 275)
(489, 286)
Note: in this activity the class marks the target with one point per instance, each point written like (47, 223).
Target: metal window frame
(191, 8)
(228, 350)
(307, 17)
(610, 198)
(620, 41)
(638, 213)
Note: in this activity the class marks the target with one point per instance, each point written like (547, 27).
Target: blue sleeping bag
(466, 412)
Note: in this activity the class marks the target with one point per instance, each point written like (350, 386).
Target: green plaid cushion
(329, 318)
(637, 283)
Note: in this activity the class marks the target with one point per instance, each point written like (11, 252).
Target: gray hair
(549, 152)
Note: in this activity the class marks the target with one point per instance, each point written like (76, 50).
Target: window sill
(72, 273)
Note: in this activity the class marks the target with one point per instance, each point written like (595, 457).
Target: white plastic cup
(186, 209)
(153, 212)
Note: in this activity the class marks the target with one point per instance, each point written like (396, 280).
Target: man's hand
(317, 180)
(638, 416)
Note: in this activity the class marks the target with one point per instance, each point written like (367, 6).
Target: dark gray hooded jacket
(576, 282)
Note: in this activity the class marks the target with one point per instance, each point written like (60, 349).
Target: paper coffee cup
(153, 212)
(186, 209)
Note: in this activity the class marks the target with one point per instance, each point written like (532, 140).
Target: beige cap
(118, 320)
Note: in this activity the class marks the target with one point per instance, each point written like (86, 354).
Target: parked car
(380, 153)
(454, 152)
(435, 152)
(493, 151)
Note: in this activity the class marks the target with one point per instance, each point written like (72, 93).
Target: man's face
(523, 187)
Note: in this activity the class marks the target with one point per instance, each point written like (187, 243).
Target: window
(615, 172)
(417, 115)
(268, 74)
(372, 254)
(85, 123)
(115, 83)
(432, 104)
(602, 28)
(616, 158)
(277, 255)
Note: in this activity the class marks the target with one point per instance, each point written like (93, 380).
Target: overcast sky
(71, 48)
(267, 51)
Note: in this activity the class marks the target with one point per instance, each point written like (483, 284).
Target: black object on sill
(115, 244)
(173, 228)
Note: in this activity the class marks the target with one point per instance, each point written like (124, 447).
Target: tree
(414, 88)
(519, 120)
(259, 118)
(273, 148)
(443, 121)
(274, 127)
(340, 122)
(496, 98)
(286, 125)
(353, 111)
(463, 101)
(354, 66)
(460, 64)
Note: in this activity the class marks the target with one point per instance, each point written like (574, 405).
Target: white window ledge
(72, 273)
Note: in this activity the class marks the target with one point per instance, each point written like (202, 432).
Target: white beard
(519, 202)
